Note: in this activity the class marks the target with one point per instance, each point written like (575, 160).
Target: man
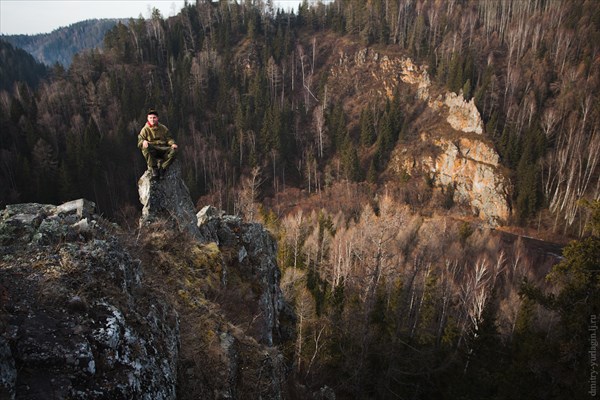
(157, 145)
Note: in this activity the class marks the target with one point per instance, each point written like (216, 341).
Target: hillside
(249, 95)
(61, 45)
(420, 165)
(16, 65)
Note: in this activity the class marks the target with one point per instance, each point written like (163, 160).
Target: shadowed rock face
(256, 261)
(168, 199)
(76, 321)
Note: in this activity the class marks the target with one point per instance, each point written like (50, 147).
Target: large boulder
(167, 199)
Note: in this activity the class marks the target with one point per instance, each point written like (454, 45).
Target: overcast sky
(43, 16)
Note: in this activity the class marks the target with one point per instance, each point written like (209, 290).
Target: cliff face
(453, 149)
(468, 167)
(471, 168)
(255, 259)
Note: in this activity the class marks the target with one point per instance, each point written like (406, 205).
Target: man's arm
(142, 141)
(170, 140)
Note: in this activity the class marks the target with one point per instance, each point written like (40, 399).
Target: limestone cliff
(467, 166)
(454, 151)
(470, 168)
(465, 162)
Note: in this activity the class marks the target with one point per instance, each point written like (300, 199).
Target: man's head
(152, 117)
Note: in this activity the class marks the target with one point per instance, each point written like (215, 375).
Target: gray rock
(81, 207)
(256, 261)
(8, 372)
(81, 323)
(77, 322)
(207, 213)
(325, 393)
(167, 199)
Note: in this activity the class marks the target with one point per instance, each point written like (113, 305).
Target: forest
(397, 292)
(60, 45)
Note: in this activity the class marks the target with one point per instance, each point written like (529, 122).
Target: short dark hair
(152, 112)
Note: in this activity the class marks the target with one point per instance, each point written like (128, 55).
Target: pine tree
(351, 162)
(367, 128)
(576, 300)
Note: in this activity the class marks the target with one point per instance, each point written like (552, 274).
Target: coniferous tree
(577, 303)
(367, 128)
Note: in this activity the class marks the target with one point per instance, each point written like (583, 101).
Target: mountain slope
(62, 44)
(16, 65)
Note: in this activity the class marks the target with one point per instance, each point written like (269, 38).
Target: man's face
(152, 120)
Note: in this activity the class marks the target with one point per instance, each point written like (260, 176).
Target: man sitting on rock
(157, 145)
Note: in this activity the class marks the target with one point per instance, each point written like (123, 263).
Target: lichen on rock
(77, 320)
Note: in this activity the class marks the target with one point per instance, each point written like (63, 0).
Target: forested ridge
(18, 65)
(60, 45)
(397, 293)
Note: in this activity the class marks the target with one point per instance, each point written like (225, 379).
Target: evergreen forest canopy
(16, 65)
(243, 88)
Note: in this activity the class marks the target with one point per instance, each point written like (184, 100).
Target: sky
(43, 16)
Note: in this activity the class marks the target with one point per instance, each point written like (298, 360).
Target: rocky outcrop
(463, 115)
(387, 73)
(466, 162)
(468, 166)
(471, 168)
(167, 199)
(255, 261)
(90, 312)
(77, 322)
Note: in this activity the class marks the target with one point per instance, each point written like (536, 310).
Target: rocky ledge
(187, 307)
(77, 322)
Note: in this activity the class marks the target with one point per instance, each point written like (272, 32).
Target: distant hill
(63, 43)
(18, 65)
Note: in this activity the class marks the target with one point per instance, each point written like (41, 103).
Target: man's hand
(145, 144)
(173, 146)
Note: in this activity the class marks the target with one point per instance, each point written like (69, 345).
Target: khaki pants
(157, 153)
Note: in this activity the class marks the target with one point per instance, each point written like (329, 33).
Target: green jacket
(157, 135)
